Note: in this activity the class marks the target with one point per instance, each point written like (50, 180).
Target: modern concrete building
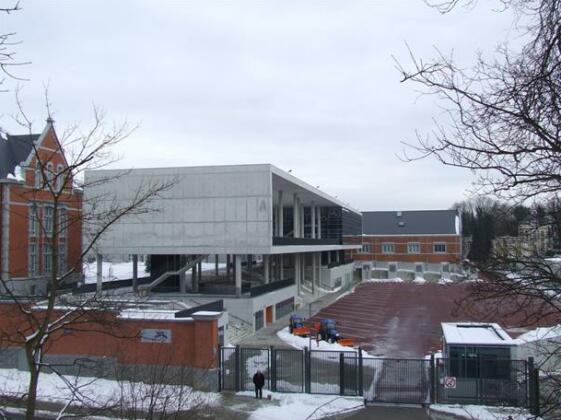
(252, 235)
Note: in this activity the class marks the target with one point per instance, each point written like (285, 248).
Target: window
(284, 308)
(365, 249)
(388, 248)
(47, 259)
(259, 320)
(392, 267)
(439, 248)
(445, 267)
(33, 220)
(59, 177)
(62, 221)
(38, 177)
(61, 258)
(413, 248)
(48, 220)
(419, 268)
(50, 172)
(32, 263)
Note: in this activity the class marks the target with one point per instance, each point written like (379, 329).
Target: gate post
(432, 378)
(534, 388)
(307, 371)
(219, 368)
(273, 369)
(341, 373)
(360, 373)
(238, 366)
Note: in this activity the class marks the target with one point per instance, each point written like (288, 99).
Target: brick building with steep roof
(33, 169)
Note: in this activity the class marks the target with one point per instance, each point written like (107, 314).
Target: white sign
(450, 382)
(155, 336)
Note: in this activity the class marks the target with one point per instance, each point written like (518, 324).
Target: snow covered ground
(103, 392)
(303, 406)
(301, 342)
(481, 412)
(123, 270)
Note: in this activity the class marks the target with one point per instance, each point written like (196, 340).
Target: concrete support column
(319, 222)
(135, 273)
(216, 265)
(281, 267)
(193, 277)
(313, 214)
(295, 218)
(314, 272)
(281, 216)
(297, 272)
(238, 274)
(99, 272)
(328, 257)
(302, 225)
(266, 273)
(196, 277)
(182, 276)
(228, 266)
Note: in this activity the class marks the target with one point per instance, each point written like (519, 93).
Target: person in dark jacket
(259, 381)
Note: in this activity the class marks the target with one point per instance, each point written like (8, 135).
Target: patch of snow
(303, 406)
(393, 280)
(457, 225)
(481, 412)
(102, 392)
(541, 333)
(301, 342)
(419, 280)
(154, 315)
(472, 333)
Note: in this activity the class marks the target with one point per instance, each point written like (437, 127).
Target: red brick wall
(193, 344)
(453, 248)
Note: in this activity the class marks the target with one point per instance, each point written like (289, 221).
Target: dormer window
(60, 177)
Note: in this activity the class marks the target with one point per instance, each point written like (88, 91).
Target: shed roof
(475, 333)
(416, 222)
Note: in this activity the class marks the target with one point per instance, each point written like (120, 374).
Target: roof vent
(398, 214)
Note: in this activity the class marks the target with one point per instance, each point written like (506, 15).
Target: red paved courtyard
(403, 319)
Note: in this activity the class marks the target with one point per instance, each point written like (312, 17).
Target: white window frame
(50, 173)
(366, 249)
(47, 258)
(38, 177)
(435, 244)
(59, 177)
(32, 259)
(417, 244)
(389, 245)
(33, 220)
(62, 222)
(48, 212)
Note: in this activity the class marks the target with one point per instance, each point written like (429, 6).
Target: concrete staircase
(144, 289)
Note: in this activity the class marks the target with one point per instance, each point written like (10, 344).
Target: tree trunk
(32, 393)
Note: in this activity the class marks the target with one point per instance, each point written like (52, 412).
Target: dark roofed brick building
(420, 245)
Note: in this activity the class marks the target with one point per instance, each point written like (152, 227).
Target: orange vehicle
(297, 326)
(327, 331)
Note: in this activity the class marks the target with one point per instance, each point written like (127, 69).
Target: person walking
(259, 381)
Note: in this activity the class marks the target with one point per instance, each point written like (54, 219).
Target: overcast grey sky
(305, 85)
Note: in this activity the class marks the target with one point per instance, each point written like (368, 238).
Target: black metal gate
(288, 366)
(228, 368)
(405, 381)
(252, 360)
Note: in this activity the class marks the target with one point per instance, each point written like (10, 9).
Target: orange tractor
(297, 327)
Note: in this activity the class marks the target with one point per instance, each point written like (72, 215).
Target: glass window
(413, 248)
(445, 268)
(419, 268)
(388, 248)
(392, 268)
(259, 320)
(365, 249)
(61, 257)
(50, 172)
(62, 221)
(47, 259)
(33, 220)
(32, 266)
(48, 219)
(38, 178)
(59, 177)
(439, 248)
(284, 308)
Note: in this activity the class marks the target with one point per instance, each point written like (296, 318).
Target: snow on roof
(206, 313)
(541, 333)
(475, 333)
(154, 315)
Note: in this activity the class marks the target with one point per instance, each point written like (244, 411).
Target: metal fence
(411, 381)
(482, 381)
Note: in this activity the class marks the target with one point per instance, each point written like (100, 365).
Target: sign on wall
(450, 382)
(151, 335)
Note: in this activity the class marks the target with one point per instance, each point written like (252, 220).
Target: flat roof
(475, 333)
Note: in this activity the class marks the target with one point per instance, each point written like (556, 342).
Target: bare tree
(7, 43)
(39, 321)
(503, 123)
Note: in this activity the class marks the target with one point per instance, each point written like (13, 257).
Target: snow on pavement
(481, 412)
(301, 342)
(302, 406)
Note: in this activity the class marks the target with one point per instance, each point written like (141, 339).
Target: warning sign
(450, 382)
